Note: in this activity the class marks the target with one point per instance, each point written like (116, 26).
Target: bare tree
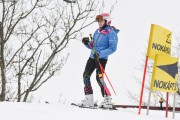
(33, 35)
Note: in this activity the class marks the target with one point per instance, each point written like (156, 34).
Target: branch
(21, 17)
(23, 44)
(68, 1)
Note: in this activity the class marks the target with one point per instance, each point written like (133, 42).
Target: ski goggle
(99, 18)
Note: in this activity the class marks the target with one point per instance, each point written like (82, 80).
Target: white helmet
(104, 16)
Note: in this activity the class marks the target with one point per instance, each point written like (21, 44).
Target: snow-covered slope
(32, 111)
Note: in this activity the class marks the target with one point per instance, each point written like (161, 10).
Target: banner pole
(167, 97)
(147, 113)
(142, 88)
(174, 105)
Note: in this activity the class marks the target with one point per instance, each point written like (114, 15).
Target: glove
(85, 40)
(96, 55)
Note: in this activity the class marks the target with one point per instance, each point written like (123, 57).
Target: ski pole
(107, 78)
(103, 82)
(101, 67)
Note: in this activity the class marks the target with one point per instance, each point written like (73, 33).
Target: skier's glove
(85, 40)
(96, 55)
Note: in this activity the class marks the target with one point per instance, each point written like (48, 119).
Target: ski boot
(88, 101)
(107, 103)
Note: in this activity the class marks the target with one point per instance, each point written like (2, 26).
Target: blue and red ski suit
(104, 43)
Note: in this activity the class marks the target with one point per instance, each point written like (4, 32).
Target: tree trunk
(26, 95)
(2, 67)
(19, 90)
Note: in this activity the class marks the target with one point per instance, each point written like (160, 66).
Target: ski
(113, 108)
(94, 107)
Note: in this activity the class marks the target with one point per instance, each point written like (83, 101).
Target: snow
(133, 18)
(39, 111)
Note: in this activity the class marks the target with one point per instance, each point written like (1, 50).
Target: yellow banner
(159, 41)
(165, 74)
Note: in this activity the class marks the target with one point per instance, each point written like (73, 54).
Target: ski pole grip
(91, 36)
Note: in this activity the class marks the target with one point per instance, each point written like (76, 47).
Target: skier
(103, 44)
(161, 102)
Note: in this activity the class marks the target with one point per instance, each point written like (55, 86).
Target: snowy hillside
(32, 111)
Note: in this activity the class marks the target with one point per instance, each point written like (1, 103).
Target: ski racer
(103, 44)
